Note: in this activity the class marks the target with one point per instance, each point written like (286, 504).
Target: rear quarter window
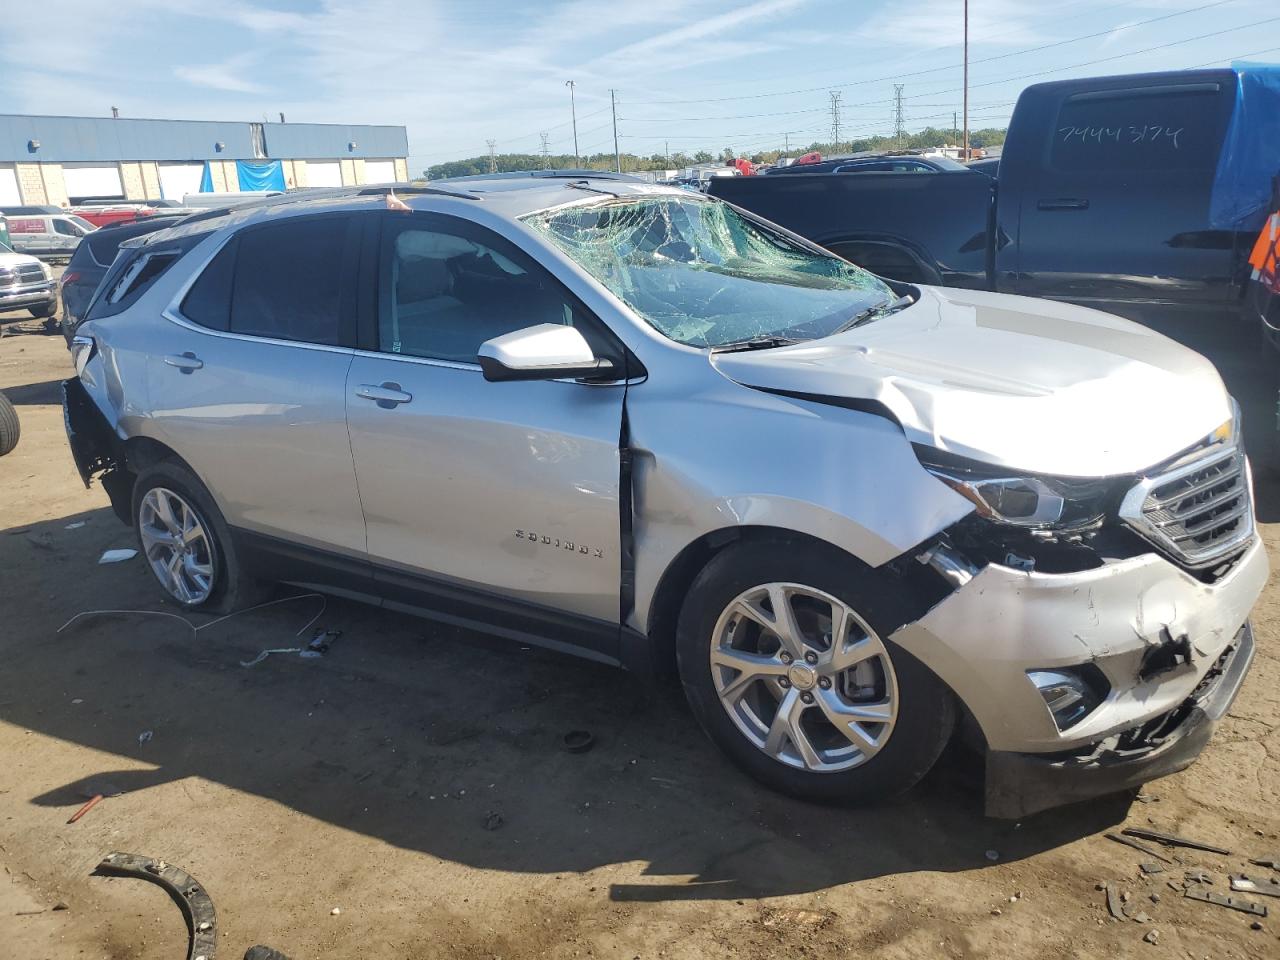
(1139, 130)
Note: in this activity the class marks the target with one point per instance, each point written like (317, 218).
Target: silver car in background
(640, 425)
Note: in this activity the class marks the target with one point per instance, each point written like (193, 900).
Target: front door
(486, 496)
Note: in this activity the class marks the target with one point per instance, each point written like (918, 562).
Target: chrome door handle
(186, 362)
(387, 395)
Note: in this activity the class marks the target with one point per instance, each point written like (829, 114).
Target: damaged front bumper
(1020, 784)
(1160, 641)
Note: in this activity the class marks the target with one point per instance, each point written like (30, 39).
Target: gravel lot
(406, 795)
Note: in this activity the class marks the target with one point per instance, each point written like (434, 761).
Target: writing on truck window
(1150, 133)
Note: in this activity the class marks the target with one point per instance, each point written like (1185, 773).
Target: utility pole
(786, 144)
(965, 152)
(573, 111)
(666, 153)
(835, 121)
(897, 114)
(546, 150)
(613, 105)
(955, 127)
(493, 161)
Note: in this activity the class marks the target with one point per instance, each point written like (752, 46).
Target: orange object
(1266, 253)
(86, 808)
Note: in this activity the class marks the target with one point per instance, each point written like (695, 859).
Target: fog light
(1070, 694)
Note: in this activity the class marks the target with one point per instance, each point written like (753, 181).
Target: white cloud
(232, 75)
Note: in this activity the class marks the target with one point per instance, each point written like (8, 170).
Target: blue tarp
(206, 179)
(260, 174)
(1250, 152)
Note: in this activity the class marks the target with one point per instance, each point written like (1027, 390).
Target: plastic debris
(115, 556)
(493, 821)
(75, 526)
(1152, 937)
(145, 737)
(336, 911)
(993, 855)
(579, 741)
(319, 644)
(266, 653)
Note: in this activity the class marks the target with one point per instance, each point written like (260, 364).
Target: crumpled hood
(1028, 384)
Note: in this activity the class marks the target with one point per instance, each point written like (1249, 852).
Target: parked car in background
(1141, 195)
(49, 235)
(31, 210)
(988, 165)
(26, 284)
(90, 263)
(633, 423)
(100, 215)
(878, 163)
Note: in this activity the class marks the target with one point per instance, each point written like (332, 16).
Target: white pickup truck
(25, 284)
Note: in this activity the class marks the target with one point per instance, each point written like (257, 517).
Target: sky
(688, 74)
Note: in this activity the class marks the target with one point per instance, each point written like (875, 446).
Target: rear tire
(861, 719)
(187, 544)
(45, 310)
(10, 428)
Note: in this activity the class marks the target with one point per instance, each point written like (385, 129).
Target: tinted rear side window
(1139, 131)
(208, 303)
(288, 280)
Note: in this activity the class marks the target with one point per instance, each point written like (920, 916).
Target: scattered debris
(1255, 925)
(993, 855)
(195, 904)
(60, 906)
(75, 526)
(115, 556)
(320, 644)
(41, 541)
(579, 741)
(1198, 876)
(336, 911)
(1271, 860)
(1142, 847)
(266, 653)
(1140, 917)
(1151, 867)
(1234, 903)
(77, 701)
(1173, 840)
(493, 821)
(1266, 886)
(1153, 897)
(95, 790)
(1113, 902)
(1152, 937)
(145, 737)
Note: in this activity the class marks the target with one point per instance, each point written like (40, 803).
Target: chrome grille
(1198, 512)
(22, 274)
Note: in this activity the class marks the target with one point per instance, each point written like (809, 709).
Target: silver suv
(645, 427)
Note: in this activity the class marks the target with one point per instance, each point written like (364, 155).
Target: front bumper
(22, 296)
(984, 638)
(1020, 784)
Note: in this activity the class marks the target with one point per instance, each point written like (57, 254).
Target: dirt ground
(407, 794)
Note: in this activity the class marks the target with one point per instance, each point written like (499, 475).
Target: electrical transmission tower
(898, 129)
(835, 121)
(546, 149)
(493, 160)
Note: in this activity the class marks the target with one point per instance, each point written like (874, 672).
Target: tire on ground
(233, 588)
(926, 706)
(10, 428)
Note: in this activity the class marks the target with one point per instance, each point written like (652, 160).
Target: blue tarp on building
(260, 174)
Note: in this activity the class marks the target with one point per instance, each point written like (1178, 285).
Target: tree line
(631, 163)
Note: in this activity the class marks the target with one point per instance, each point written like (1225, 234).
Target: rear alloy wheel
(804, 678)
(177, 546)
(785, 655)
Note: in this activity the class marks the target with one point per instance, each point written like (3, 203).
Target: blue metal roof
(69, 139)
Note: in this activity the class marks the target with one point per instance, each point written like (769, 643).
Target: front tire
(785, 659)
(44, 310)
(186, 543)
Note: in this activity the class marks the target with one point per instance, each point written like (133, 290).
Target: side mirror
(549, 351)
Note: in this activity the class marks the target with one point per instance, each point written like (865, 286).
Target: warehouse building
(67, 160)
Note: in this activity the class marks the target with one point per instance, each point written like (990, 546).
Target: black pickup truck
(1140, 195)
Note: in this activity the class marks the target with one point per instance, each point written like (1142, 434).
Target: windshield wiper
(755, 343)
(879, 310)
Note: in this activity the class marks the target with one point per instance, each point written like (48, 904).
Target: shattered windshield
(706, 276)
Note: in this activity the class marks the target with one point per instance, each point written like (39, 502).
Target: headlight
(48, 274)
(1036, 502)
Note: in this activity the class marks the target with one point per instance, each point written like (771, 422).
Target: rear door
(247, 382)
(476, 492)
(1112, 184)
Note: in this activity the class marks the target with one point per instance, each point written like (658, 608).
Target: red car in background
(100, 215)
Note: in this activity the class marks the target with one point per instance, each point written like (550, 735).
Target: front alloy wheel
(177, 546)
(803, 677)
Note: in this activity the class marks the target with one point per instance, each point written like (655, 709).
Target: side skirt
(442, 600)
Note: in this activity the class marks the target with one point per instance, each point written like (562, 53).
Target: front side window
(447, 288)
(704, 275)
(66, 228)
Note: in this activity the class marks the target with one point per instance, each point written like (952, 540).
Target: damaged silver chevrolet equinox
(643, 426)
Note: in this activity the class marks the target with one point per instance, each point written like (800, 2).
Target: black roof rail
(327, 193)
(569, 174)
